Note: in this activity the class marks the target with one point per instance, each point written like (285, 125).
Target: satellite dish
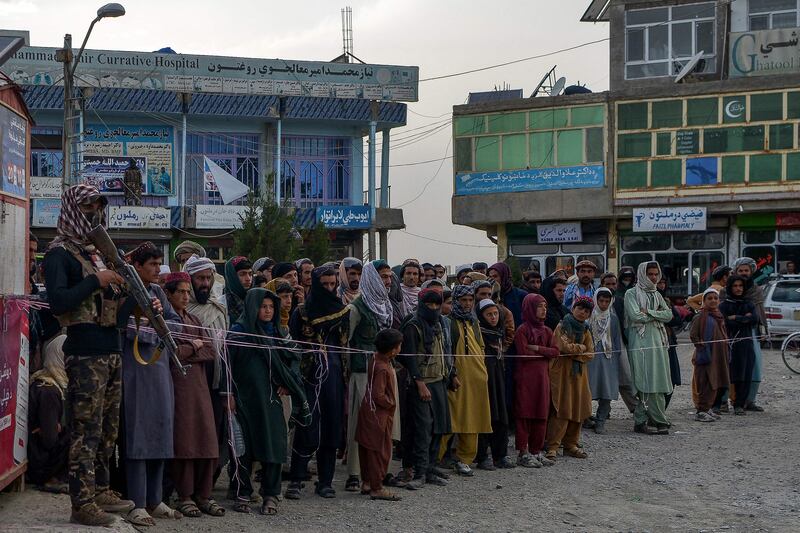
(558, 86)
(689, 67)
(545, 78)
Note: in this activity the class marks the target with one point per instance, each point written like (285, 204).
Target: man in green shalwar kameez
(260, 377)
(646, 312)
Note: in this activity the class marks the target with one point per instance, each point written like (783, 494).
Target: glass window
(632, 175)
(236, 153)
(463, 155)
(560, 262)
(693, 11)
(793, 104)
(765, 167)
(737, 139)
(594, 145)
(515, 151)
(784, 20)
(787, 292)
(487, 153)
(675, 267)
(534, 249)
(663, 143)
(767, 6)
(530, 264)
(781, 136)
(598, 260)
(701, 111)
(587, 116)
(666, 172)
(793, 166)
(668, 114)
(658, 42)
(470, 125)
(506, 122)
(640, 243)
(787, 253)
(541, 149)
(759, 22)
(570, 147)
(789, 235)
(704, 37)
(583, 248)
(682, 39)
(632, 116)
(634, 145)
(733, 170)
(764, 256)
(759, 237)
(766, 106)
(47, 163)
(703, 264)
(634, 44)
(548, 119)
(702, 241)
(647, 16)
(701, 171)
(633, 260)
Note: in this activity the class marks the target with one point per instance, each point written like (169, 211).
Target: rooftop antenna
(347, 33)
(550, 85)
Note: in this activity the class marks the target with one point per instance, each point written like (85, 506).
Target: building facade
(696, 173)
(313, 138)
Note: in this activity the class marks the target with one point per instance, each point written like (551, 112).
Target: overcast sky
(441, 37)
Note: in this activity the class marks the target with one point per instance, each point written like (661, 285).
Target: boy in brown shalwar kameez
(711, 376)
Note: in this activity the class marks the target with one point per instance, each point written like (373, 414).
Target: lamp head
(110, 11)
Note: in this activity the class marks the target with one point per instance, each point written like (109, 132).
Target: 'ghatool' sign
(534, 179)
(346, 217)
(35, 65)
(126, 217)
(562, 232)
(755, 53)
(669, 219)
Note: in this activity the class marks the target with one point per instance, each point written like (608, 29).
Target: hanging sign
(669, 219)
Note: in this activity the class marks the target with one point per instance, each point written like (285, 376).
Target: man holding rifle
(86, 298)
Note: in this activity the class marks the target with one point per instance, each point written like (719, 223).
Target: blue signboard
(534, 179)
(13, 145)
(344, 217)
(701, 171)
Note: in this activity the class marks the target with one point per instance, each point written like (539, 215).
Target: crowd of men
(285, 362)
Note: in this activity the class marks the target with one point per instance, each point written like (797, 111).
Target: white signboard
(45, 212)
(126, 217)
(45, 187)
(755, 53)
(669, 219)
(563, 232)
(21, 416)
(219, 216)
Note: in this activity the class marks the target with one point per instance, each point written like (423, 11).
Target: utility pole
(65, 56)
(371, 180)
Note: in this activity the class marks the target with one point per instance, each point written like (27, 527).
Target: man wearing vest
(85, 297)
(370, 313)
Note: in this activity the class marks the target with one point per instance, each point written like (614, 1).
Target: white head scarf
(600, 322)
(197, 264)
(647, 295)
(52, 371)
(375, 295)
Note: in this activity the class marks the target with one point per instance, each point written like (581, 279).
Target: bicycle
(790, 351)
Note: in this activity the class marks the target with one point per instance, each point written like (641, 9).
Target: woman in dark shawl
(260, 377)
(556, 310)
(740, 320)
(711, 378)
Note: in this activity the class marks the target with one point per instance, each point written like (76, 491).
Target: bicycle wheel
(791, 352)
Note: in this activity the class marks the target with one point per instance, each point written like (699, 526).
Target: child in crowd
(710, 380)
(376, 416)
(604, 367)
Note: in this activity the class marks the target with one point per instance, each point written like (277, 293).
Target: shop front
(772, 240)
(559, 246)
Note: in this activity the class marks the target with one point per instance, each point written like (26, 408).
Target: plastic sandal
(140, 517)
(188, 508)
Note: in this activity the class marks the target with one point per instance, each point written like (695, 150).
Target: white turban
(197, 264)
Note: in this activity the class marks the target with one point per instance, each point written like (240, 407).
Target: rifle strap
(137, 313)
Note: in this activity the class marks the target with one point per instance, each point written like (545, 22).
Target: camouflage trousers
(92, 406)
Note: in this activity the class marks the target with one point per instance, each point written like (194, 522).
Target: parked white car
(782, 305)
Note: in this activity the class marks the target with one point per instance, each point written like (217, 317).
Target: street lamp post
(65, 56)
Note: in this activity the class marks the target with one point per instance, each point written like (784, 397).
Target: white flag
(215, 178)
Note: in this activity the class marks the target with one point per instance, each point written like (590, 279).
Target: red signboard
(787, 220)
(13, 389)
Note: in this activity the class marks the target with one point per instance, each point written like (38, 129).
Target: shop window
(560, 262)
(526, 263)
(668, 113)
(701, 241)
(632, 175)
(487, 153)
(548, 119)
(764, 256)
(733, 169)
(634, 260)
(507, 122)
(470, 125)
(702, 111)
(786, 254)
(703, 264)
(665, 172)
(701, 171)
(534, 249)
(766, 106)
(793, 104)
(464, 155)
(598, 260)
(587, 116)
(772, 14)
(541, 149)
(570, 147)
(789, 235)
(641, 243)
(632, 116)
(594, 145)
(583, 248)
(765, 167)
(759, 237)
(793, 166)
(781, 136)
(663, 144)
(634, 145)
(675, 267)
(515, 151)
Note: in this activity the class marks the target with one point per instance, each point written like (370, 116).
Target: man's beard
(353, 285)
(201, 294)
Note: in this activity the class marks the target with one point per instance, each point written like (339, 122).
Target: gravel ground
(737, 474)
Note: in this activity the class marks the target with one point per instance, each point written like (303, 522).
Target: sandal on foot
(140, 517)
(385, 495)
(270, 506)
(576, 453)
(352, 484)
(211, 508)
(242, 506)
(162, 510)
(551, 454)
(188, 508)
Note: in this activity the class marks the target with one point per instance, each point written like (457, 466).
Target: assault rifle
(139, 292)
